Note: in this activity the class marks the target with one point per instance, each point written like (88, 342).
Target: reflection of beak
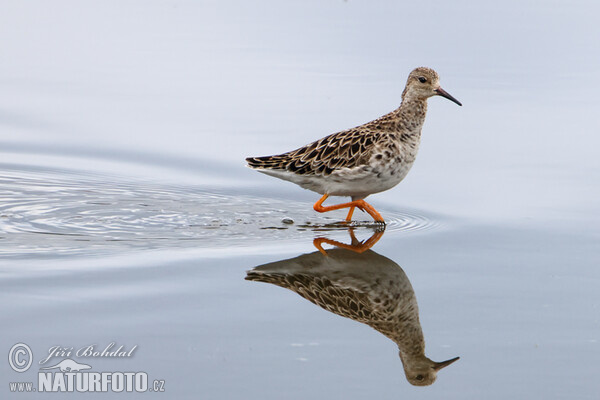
(440, 365)
(447, 95)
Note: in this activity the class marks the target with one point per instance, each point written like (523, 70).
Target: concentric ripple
(61, 214)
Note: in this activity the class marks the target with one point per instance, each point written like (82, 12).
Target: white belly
(356, 182)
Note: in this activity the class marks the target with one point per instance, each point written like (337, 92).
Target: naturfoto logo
(69, 375)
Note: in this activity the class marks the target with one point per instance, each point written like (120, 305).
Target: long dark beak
(440, 365)
(447, 95)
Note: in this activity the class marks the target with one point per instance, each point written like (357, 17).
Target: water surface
(127, 215)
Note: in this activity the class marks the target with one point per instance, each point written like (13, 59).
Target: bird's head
(424, 372)
(424, 83)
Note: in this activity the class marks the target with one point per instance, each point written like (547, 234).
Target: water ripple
(54, 213)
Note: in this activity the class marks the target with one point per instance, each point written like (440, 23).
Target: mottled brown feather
(346, 149)
(366, 159)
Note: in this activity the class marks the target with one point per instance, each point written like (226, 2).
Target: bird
(363, 160)
(367, 288)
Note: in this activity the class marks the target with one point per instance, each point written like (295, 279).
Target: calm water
(127, 215)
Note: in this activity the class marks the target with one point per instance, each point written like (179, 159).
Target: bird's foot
(360, 204)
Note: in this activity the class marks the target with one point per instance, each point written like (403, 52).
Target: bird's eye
(420, 377)
(422, 79)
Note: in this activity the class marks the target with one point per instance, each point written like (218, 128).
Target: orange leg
(356, 246)
(350, 212)
(361, 204)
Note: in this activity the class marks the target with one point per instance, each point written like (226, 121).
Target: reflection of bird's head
(423, 372)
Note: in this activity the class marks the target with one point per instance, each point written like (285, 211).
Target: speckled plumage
(367, 159)
(367, 288)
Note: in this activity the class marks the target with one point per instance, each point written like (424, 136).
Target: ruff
(367, 159)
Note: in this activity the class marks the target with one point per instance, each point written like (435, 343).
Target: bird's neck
(410, 341)
(411, 114)
(405, 331)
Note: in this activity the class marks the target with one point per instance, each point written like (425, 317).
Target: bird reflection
(363, 286)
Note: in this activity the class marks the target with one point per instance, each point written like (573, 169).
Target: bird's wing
(346, 149)
(321, 291)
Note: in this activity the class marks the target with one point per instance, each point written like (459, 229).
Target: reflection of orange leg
(361, 204)
(356, 246)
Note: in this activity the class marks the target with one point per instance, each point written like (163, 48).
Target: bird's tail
(273, 278)
(268, 162)
(300, 283)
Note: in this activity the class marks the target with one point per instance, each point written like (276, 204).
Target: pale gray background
(174, 94)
